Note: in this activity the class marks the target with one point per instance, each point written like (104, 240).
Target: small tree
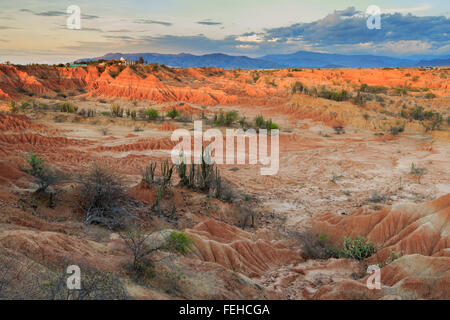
(173, 113)
(44, 177)
(136, 242)
(151, 114)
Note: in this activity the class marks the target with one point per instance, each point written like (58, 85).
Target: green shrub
(333, 95)
(13, 107)
(91, 113)
(358, 249)
(151, 114)
(67, 107)
(270, 125)
(179, 241)
(430, 95)
(173, 113)
(396, 130)
(226, 119)
(24, 105)
(43, 176)
(372, 89)
(297, 87)
(116, 110)
(417, 113)
(35, 164)
(259, 121)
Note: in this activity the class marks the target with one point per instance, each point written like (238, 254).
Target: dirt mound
(51, 247)
(409, 277)
(10, 172)
(236, 250)
(140, 145)
(403, 228)
(143, 193)
(15, 122)
(20, 141)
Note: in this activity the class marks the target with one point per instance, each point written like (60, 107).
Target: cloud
(6, 18)
(120, 31)
(208, 22)
(246, 46)
(112, 37)
(54, 13)
(196, 43)
(349, 27)
(50, 13)
(250, 38)
(342, 31)
(64, 26)
(407, 10)
(145, 21)
(89, 16)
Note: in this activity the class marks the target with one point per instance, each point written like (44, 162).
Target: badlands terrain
(363, 152)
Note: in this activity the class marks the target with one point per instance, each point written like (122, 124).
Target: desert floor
(330, 184)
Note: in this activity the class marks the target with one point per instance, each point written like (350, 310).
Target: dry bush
(95, 285)
(103, 197)
(23, 279)
(12, 273)
(247, 216)
(315, 246)
(136, 240)
(143, 244)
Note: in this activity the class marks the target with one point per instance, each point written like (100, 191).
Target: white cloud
(407, 10)
(250, 38)
(246, 46)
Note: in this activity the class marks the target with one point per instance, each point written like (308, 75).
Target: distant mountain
(300, 59)
(309, 59)
(186, 60)
(434, 62)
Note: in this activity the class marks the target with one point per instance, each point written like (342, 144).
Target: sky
(36, 31)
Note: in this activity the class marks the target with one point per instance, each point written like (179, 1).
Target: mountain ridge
(299, 59)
